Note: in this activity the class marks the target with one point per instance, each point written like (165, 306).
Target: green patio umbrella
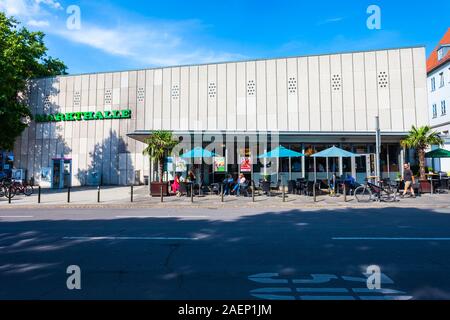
(438, 153)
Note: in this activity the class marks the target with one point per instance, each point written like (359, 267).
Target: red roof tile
(432, 62)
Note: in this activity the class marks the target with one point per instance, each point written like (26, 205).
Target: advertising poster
(180, 165)
(46, 177)
(219, 164)
(246, 164)
(17, 174)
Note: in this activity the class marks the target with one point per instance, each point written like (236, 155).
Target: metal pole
(161, 194)
(314, 191)
(192, 192)
(9, 194)
(345, 192)
(39, 194)
(98, 194)
(378, 146)
(131, 193)
(221, 192)
(68, 195)
(253, 191)
(284, 193)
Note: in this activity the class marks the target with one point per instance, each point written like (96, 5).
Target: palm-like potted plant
(159, 145)
(420, 139)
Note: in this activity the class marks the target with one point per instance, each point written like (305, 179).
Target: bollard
(131, 193)
(9, 194)
(221, 192)
(192, 192)
(284, 194)
(161, 194)
(314, 192)
(253, 191)
(98, 194)
(39, 194)
(68, 195)
(345, 192)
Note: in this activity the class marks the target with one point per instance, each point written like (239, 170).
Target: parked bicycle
(374, 192)
(6, 189)
(22, 188)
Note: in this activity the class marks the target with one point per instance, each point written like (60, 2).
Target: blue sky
(120, 34)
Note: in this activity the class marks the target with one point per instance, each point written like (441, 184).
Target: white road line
(129, 238)
(14, 217)
(393, 238)
(128, 217)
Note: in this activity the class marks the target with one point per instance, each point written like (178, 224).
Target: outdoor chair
(292, 187)
(215, 188)
(276, 187)
(265, 187)
(243, 189)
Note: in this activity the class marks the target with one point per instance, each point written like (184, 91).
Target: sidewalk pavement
(120, 197)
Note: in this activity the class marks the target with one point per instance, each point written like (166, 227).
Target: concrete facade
(309, 95)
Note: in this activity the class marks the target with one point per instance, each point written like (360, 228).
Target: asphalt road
(224, 253)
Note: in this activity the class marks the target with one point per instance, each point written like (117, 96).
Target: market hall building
(90, 128)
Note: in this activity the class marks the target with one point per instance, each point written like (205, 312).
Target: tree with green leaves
(159, 145)
(23, 57)
(420, 139)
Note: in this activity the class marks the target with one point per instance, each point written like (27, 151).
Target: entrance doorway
(61, 173)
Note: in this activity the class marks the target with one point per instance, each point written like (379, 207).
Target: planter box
(155, 189)
(425, 186)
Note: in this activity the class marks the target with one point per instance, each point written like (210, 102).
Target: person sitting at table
(191, 176)
(408, 178)
(228, 184)
(240, 183)
(176, 185)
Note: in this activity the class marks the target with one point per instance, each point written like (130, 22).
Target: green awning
(438, 153)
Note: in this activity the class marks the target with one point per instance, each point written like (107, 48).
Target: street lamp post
(377, 148)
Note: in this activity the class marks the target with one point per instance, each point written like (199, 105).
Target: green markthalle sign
(83, 116)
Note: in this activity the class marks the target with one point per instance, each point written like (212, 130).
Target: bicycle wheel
(389, 196)
(28, 191)
(11, 194)
(363, 194)
(2, 191)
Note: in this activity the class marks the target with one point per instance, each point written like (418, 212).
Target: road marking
(128, 217)
(322, 290)
(393, 238)
(327, 298)
(129, 238)
(16, 217)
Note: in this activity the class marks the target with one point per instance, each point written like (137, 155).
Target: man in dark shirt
(408, 179)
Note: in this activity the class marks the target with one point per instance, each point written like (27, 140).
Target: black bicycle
(373, 192)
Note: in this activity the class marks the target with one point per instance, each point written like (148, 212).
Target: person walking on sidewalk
(408, 179)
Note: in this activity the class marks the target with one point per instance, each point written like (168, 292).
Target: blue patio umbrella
(198, 152)
(333, 152)
(282, 152)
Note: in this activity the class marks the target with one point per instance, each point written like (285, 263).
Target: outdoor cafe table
(430, 178)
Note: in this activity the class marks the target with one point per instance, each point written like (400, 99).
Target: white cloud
(18, 8)
(330, 20)
(144, 42)
(38, 23)
(149, 44)
(33, 12)
(51, 3)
